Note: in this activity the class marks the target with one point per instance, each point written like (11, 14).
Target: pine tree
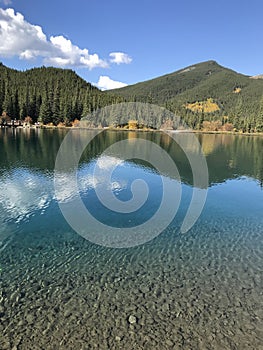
(56, 115)
(259, 119)
(45, 114)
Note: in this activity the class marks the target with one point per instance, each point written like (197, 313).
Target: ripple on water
(199, 290)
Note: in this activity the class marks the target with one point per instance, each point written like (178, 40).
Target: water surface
(200, 290)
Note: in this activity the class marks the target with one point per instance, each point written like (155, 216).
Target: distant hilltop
(260, 76)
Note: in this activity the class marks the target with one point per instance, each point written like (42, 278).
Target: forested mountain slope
(205, 92)
(48, 95)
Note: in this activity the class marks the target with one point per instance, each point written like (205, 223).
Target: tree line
(60, 96)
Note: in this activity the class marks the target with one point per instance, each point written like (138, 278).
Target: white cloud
(108, 163)
(23, 193)
(20, 38)
(65, 187)
(120, 57)
(106, 83)
(67, 54)
(101, 176)
(89, 179)
(6, 2)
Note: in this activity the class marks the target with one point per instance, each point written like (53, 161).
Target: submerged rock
(132, 319)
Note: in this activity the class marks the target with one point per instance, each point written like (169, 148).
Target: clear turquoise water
(199, 290)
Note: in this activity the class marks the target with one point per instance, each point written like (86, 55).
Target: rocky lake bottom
(58, 291)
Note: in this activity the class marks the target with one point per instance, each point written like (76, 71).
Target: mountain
(205, 92)
(50, 95)
(205, 96)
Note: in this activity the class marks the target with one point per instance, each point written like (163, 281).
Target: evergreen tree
(45, 114)
(56, 114)
(259, 119)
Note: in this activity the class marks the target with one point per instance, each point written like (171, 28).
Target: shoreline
(238, 133)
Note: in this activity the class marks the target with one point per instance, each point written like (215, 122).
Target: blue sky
(131, 41)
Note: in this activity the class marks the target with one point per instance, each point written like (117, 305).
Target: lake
(164, 289)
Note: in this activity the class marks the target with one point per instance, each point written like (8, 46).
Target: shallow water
(199, 290)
